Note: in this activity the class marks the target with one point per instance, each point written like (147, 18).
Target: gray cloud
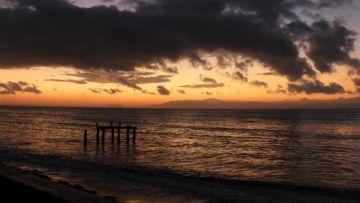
(112, 91)
(279, 90)
(204, 85)
(172, 70)
(223, 61)
(326, 43)
(114, 39)
(14, 87)
(244, 64)
(313, 87)
(240, 76)
(152, 79)
(267, 73)
(207, 79)
(109, 91)
(162, 90)
(357, 82)
(181, 91)
(161, 65)
(130, 79)
(258, 83)
(80, 82)
(97, 91)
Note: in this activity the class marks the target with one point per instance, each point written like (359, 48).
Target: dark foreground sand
(25, 186)
(19, 186)
(13, 191)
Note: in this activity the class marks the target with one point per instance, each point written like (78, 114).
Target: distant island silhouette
(285, 104)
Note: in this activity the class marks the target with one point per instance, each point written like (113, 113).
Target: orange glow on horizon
(71, 94)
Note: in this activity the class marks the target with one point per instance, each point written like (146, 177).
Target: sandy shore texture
(19, 186)
(26, 186)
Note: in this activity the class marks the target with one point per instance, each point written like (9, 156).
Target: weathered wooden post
(85, 137)
(97, 133)
(118, 133)
(134, 134)
(127, 133)
(112, 132)
(103, 136)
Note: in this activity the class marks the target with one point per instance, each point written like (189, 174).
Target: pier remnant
(129, 130)
(85, 137)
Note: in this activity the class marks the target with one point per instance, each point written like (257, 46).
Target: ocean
(316, 148)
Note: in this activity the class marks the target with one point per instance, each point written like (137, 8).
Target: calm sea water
(302, 147)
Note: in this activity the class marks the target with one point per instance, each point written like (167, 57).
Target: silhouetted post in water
(118, 133)
(112, 132)
(112, 127)
(85, 137)
(134, 134)
(103, 136)
(127, 133)
(97, 133)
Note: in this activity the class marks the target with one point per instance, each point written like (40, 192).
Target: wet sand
(20, 186)
(137, 186)
(13, 191)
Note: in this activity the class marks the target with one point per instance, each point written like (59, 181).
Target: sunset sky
(144, 52)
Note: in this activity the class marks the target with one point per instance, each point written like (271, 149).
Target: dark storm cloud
(333, 3)
(216, 85)
(58, 33)
(258, 83)
(162, 90)
(313, 87)
(331, 43)
(14, 87)
(326, 43)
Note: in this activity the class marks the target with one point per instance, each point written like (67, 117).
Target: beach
(27, 186)
(137, 186)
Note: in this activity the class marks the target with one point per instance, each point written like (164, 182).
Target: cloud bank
(59, 33)
(16, 87)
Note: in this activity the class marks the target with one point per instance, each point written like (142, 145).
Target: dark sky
(292, 38)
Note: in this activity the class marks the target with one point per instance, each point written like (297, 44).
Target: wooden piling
(85, 137)
(127, 133)
(134, 134)
(112, 132)
(118, 133)
(112, 127)
(97, 133)
(103, 136)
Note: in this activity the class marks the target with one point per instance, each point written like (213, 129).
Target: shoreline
(31, 186)
(179, 189)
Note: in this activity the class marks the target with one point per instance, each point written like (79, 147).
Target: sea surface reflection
(306, 147)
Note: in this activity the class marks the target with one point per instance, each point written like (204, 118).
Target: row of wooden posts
(112, 128)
